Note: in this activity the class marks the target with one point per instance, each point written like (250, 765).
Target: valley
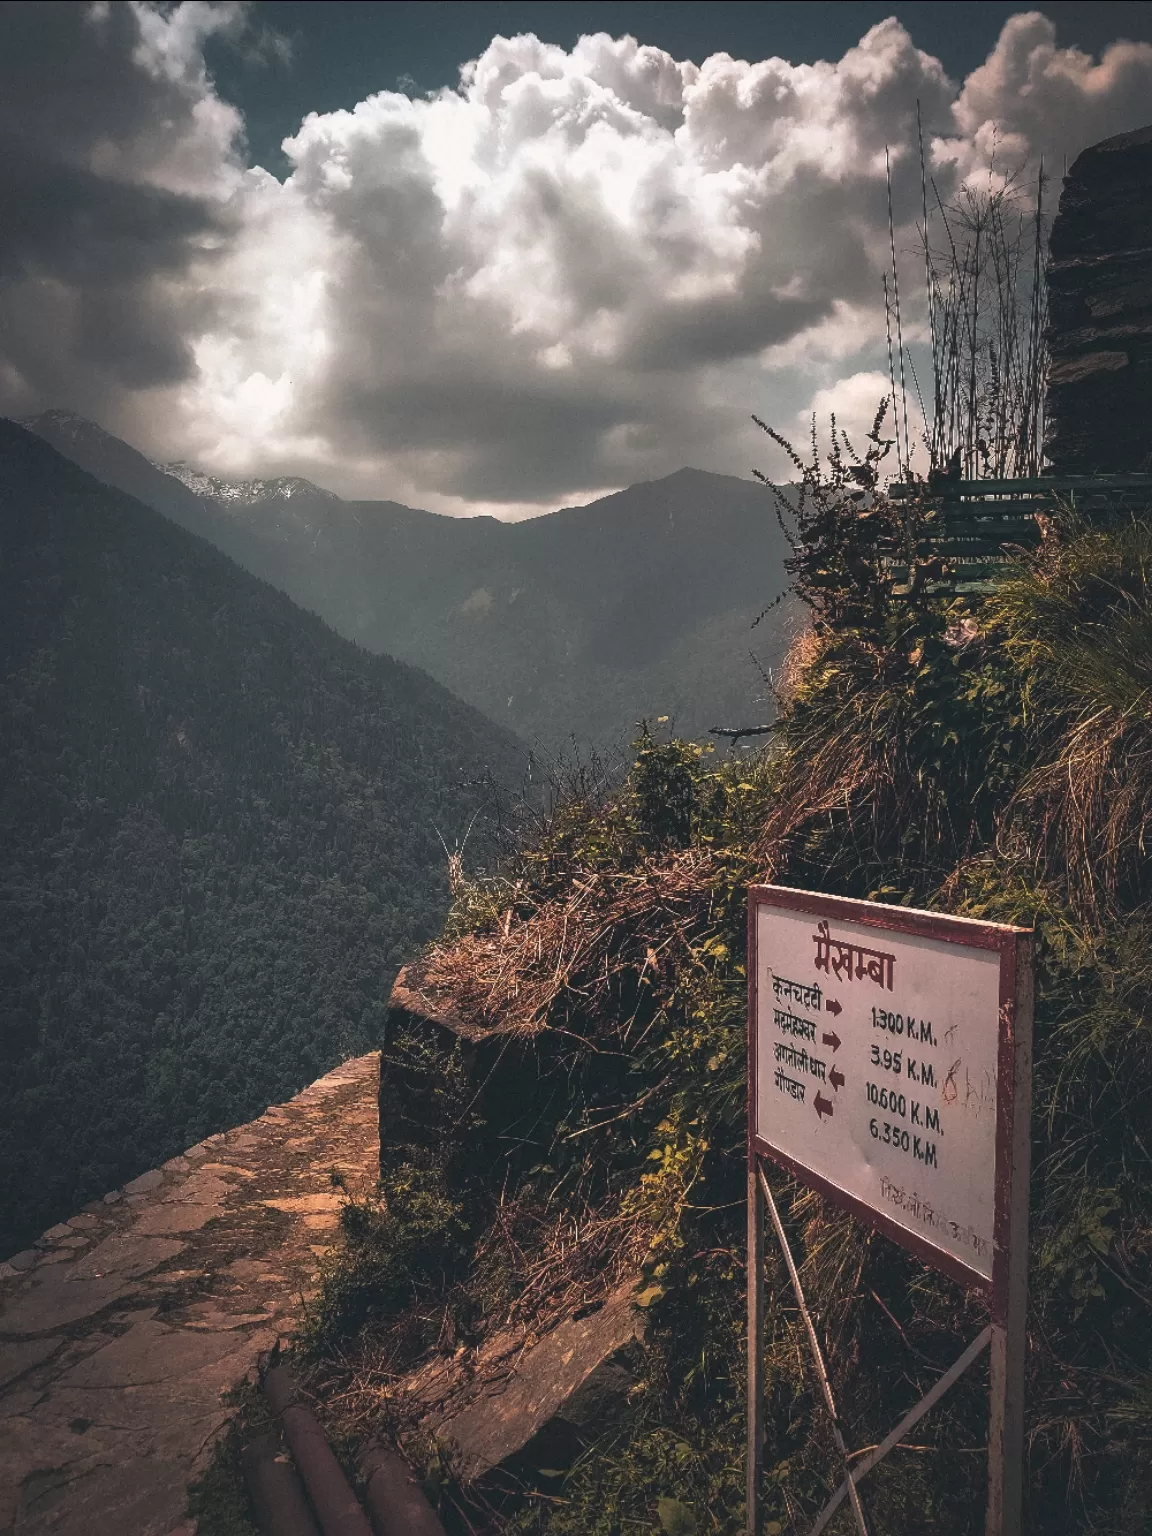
(220, 835)
(566, 628)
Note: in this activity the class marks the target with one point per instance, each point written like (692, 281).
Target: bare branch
(734, 734)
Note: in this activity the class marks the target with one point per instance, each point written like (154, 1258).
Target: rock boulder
(1099, 407)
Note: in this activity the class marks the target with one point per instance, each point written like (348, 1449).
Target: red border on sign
(968, 933)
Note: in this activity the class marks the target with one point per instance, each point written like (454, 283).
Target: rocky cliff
(1100, 306)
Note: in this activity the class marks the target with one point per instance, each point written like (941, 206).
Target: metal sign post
(889, 1067)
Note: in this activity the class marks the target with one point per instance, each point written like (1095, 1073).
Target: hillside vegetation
(219, 837)
(993, 762)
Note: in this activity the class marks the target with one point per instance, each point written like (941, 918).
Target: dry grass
(575, 948)
(1094, 805)
(1078, 622)
(799, 661)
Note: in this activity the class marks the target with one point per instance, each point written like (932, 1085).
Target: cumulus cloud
(1032, 98)
(574, 270)
(116, 163)
(852, 402)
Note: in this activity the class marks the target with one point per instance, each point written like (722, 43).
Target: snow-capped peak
(243, 493)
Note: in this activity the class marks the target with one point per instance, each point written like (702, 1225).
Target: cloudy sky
(496, 257)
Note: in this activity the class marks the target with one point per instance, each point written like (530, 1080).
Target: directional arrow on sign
(833, 1006)
(823, 1106)
(833, 1040)
(837, 1078)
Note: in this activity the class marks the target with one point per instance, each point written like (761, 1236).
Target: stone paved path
(121, 1330)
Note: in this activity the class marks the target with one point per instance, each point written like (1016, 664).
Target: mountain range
(569, 626)
(220, 833)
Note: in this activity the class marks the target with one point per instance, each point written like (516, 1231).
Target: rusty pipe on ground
(275, 1491)
(336, 1506)
(395, 1499)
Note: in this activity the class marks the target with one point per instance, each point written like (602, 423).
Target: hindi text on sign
(840, 954)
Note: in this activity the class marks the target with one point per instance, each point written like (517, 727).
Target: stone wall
(1100, 305)
(498, 1116)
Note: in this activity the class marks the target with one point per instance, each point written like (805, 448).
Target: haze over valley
(568, 627)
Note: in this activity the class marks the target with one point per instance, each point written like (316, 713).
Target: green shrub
(404, 1241)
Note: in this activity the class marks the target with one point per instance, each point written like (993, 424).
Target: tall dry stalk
(985, 294)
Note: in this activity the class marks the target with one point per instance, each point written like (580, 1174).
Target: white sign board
(880, 1059)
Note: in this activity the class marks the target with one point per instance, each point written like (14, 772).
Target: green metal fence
(970, 529)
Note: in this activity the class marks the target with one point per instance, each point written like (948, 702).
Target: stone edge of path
(122, 1328)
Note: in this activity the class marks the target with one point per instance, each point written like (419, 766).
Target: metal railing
(973, 528)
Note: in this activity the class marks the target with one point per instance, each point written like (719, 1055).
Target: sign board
(882, 1063)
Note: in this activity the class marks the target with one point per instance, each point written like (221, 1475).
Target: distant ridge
(569, 627)
(116, 463)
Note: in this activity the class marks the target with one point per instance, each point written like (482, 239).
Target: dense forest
(219, 836)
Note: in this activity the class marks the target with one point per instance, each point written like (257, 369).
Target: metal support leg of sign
(817, 1353)
(891, 1441)
(755, 1457)
(759, 1195)
(1010, 1317)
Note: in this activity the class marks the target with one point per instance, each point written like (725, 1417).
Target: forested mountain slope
(218, 836)
(577, 623)
(583, 621)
